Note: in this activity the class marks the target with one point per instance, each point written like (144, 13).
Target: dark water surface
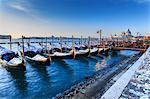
(47, 81)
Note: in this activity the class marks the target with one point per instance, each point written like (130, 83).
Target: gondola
(58, 53)
(93, 51)
(62, 55)
(33, 56)
(68, 53)
(100, 50)
(10, 59)
(82, 51)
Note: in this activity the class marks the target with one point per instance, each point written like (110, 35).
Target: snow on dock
(134, 83)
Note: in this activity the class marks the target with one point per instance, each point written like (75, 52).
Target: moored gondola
(34, 56)
(93, 51)
(100, 50)
(67, 53)
(82, 51)
(59, 53)
(62, 55)
(10, 59)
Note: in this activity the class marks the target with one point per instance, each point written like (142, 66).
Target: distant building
(4, 36)
(125, 36)
(147, 38)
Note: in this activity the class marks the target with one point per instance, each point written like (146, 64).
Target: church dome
(128, 32)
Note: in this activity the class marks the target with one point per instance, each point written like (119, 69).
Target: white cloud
(19, 7)
(23, 6)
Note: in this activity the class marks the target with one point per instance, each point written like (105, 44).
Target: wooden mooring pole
(10, 38)
(23, 48)
(73, 47)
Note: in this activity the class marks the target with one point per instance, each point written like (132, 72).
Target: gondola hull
(60, 55)
(94, 52)
(10, 59)
(83, 54)
(39, 62)
(100, 50)
(20, 66)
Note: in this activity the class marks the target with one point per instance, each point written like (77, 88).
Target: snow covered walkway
(134, 83)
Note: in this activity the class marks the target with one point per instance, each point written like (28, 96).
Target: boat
(82, 51)
(56, 53)
(33, 56)
(94, 51)
(10, 59)
(100, 50)
(70, 53)
(62, 55)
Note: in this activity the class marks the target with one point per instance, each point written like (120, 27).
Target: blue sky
(78, 17)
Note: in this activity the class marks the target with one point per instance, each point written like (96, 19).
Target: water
(47, 81)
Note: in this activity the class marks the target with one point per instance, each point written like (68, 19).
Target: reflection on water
(47, 81)
(19, 80)
(99, 66)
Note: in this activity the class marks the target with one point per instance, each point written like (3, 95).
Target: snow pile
(134, 83)
(139, 85)
(15, 61)
(38, 57)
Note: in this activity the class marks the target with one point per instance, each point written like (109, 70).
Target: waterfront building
(125, 36)
(4, 36)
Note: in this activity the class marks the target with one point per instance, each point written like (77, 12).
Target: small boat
(56, 53)
(93, 51)
(10, 59)
(62, 55)
(100, 50)
(33, 56)
(82, 51)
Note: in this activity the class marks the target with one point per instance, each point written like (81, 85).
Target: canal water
(48, 80)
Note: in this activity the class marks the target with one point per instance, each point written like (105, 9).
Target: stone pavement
(134, 83)
(139, 85)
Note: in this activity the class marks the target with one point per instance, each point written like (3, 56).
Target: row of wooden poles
(73, 45)
(99, 32)
(61, 40)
